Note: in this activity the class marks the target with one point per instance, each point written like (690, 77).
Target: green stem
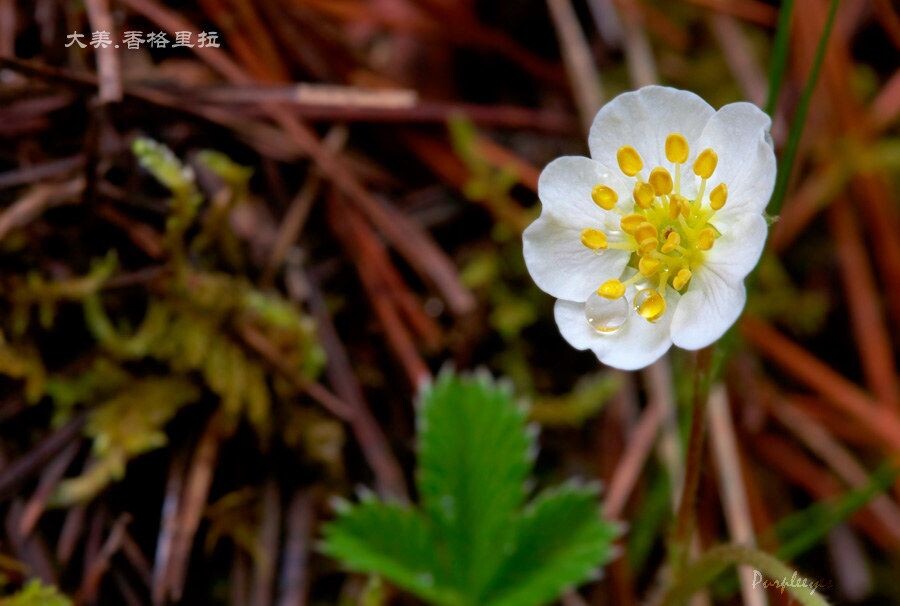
(799, 121)
(779, 55)
(684, 523)
(702, 572)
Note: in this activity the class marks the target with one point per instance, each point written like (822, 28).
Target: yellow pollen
(594, 239)
(650, 305)
(629, 223)
(645, 231)
(671, 243)
(643, 195)
(647, 246)
(705, 238)
(718, 196)
(661, 181)
(705, 164)
(677, 148)
(668, 234)
(681, 278)
(648, 266)
(611, 289)
(604, 196)
(629, 160)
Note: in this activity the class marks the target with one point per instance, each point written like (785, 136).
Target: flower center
(667, 233)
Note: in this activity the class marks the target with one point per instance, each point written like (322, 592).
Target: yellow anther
(661, 181)
(643, 195)
(604, 196)
(629, 223)
(675, 202)
(650, 305)
(611, 289)
(705, 164)
(648, 266)
(681, 278)
(644, 231)
(671, 243)
(647, 246)
(718, 196)
(629, 160)
(677, 148)
(593, 239)
(705, 238)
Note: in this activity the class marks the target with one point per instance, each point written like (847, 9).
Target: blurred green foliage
(196, 323)
(35, 593)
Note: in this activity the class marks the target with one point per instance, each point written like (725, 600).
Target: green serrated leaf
(472, 544)
(473, 462)
(561, 542)
(389, 540)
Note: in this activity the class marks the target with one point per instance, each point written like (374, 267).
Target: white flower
(647, 243)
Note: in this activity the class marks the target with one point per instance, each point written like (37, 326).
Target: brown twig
(107, 56)
(20, 469)
(295, 574)
(838, 390)
(371, 438)
(583, 76)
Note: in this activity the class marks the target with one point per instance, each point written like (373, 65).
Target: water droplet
(606, 316)
(650, 305)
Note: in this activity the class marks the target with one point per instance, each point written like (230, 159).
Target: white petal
(574, 327)
(739, 134)
(736, 252)
(639, 343)
(710, 306)
(565, 186)
(564, 267)
(643, 119)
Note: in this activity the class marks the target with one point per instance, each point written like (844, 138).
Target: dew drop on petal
(606, 316)
(650, 305)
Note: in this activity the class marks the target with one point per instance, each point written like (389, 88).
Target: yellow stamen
(648, 266)
(718, 196)
(705, 238)
(629, 160)
(705, 164)
(611, 289)
(629, 223)
(672, 242)
(594, 239)
(604, 196)
(647, 246)
(681, 278)
(675, 206)
(661, 181)
(643, 195)
(650, 305)
(644, 231)
(677, 148)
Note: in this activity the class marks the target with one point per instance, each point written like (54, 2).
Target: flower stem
(684, 523)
